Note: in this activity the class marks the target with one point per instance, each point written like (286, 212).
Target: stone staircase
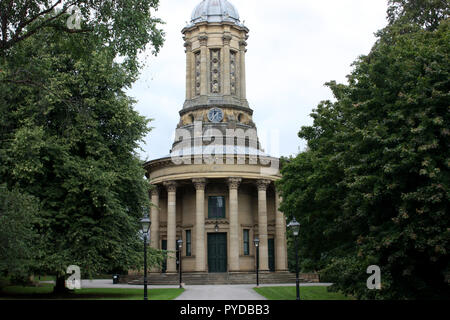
(219, 278)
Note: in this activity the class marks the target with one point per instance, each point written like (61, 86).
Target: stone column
(204, 65)
(262, 225)
(171, 225)
(226, 65)
(200, 260)
(189, 69)
(280, 237)
(154, 217)
(233, 184)
(242, 45)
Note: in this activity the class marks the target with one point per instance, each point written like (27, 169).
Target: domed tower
(215, 190)
(215, 43)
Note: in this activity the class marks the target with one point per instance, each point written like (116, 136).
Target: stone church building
(215, 190)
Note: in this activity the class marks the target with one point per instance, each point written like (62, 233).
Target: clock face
(215, 115)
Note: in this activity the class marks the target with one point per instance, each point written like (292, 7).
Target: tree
(18, 238)
(126, 26)
(68, 137)
(424, 13)
(376, 177)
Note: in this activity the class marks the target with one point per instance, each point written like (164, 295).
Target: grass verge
(306, 293)
(46, 292)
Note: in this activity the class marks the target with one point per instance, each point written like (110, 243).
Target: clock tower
(215, 43)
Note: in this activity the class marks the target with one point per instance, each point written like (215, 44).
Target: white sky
(295, 46)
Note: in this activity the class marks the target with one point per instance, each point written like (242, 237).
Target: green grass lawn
(46, 292)
(306, 293)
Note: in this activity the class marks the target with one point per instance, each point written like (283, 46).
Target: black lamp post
(295, 227)
(256, 242)
(145, 223)
(180, 245)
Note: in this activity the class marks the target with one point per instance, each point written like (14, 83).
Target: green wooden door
(217, 252)
(271, 244)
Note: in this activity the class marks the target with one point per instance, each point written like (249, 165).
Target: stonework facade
(217, 207)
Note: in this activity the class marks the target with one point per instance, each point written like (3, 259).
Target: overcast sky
(295, 46)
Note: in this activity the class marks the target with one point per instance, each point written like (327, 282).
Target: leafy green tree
(374, 186)
(18, 237)
(68, 137)
(124, 26)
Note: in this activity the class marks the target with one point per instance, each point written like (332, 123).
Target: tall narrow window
(188, 243)
(216, 207)
(246, 242)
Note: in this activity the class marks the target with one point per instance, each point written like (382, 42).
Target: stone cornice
(205, 23)
(207, 107)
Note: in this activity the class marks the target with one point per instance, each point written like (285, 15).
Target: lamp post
(256, 242)
(145, 223)
(180, 245)
(295, 227)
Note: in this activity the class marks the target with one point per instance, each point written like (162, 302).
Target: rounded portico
(215, 190)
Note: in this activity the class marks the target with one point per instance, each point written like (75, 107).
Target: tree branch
(16, 38)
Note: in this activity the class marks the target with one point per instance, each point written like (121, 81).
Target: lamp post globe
(294, 226)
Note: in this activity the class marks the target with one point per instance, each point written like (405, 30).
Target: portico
(186, 210)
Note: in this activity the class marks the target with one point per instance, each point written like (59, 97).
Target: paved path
(220, 292)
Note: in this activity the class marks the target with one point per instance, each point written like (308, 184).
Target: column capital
(262, 184)
(199, 183)
(188, 45)
(155, 190)
(233, 183)
(203, 40)
(171, 186)
(242, 44)
(226, 39)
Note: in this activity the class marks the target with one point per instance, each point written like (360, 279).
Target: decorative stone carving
(188, 46)
(233, 183)
(154, 191)
(203, 40)
(171, 186)
(226, 39)
(199, 183)
(197, 73)
(215, 70)
(233, 72)
(262, 184)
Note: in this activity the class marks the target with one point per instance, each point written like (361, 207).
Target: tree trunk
(60, 286)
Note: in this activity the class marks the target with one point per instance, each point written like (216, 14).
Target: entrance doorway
(217, 252)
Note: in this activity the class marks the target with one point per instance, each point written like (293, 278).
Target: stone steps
(219, 278)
